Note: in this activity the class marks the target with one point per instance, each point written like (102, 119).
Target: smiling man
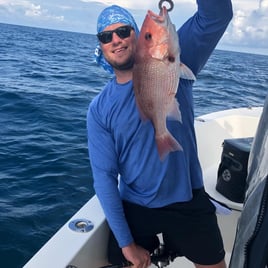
(120, 57)
(117, 33)
(152, 197)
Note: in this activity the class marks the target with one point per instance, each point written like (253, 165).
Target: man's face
(120, 51)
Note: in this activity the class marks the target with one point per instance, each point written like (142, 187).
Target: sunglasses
(123, 32)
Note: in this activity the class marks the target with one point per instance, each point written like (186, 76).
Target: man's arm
(201, 33)
(103, 160)
(104, 166)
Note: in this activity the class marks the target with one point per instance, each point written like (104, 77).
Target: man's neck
(123, 77)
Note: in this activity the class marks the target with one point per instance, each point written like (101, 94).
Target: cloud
(249, 27)
(36, 11)
(26, 8)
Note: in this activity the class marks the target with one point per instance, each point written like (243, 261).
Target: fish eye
(148, 36)
(171, 59)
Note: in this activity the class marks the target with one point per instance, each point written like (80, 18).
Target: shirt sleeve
(103, 161)
(201, 33)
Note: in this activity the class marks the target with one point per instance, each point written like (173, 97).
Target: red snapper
(156, 74)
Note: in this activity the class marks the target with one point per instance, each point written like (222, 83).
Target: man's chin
(123, 67)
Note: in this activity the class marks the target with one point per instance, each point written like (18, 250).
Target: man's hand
(138, 256)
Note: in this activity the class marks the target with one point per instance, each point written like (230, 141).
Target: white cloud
(28, 9)
(33, 10)
(263, 4)
(249, 27)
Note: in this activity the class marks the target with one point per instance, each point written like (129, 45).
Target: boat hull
(71, 249)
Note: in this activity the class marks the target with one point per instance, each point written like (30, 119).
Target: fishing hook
(171, 4)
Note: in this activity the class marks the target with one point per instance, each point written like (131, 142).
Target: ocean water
(47, 80)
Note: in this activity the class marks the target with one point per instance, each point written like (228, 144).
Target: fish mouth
(157, 18)
(163, 12)
(161, 18)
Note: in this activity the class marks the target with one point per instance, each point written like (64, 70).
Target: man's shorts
(188, 229)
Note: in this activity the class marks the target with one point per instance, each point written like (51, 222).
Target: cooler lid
(243, 144)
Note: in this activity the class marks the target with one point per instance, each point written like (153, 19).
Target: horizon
(245, 50)
(247, 30)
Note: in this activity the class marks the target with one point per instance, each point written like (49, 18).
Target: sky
(247, 32)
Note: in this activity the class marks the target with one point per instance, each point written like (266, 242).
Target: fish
(156, 73)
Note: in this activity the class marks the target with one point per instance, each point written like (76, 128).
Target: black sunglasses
(106, 37)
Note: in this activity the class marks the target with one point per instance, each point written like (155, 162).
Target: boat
(81, 242)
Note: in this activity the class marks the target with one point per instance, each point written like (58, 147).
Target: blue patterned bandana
(111, 15)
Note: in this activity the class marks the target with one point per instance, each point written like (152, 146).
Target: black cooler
(232, 171)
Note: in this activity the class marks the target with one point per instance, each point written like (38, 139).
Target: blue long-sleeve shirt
(120, 143)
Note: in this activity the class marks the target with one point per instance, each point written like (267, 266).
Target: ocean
(47, 80)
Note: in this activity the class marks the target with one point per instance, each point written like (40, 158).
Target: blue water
(47, 79)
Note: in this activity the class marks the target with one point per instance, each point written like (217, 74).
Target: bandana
(111, 15)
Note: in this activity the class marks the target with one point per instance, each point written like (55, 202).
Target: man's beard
(128, 65)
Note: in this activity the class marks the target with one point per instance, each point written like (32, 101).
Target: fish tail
(166, 143)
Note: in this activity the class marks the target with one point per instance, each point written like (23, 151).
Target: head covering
(111, 15)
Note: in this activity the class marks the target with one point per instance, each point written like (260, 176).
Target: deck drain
(81, 225)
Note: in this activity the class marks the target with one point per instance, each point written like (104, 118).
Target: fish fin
(166, 143)
(175, 113)
(186, 73)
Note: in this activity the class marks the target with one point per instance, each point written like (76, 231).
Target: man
(152, 197)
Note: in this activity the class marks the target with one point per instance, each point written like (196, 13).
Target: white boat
(85, 247)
